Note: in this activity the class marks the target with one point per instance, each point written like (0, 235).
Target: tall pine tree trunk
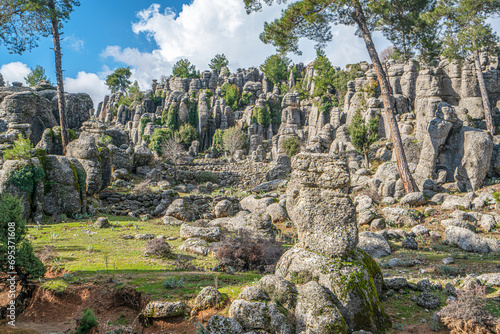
(484, 94)
(59, 76)
(404, 172)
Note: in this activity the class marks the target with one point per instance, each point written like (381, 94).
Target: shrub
(26, 177)
(234, 139)
(156, 247)
(231, 94)
(261, 115)
(172, 118)
(363, 135)
(245, 253)
(217, 142)
(291, 145)
(56, 286)
(26, 264)
(172, 283)
(142, 125)
(187, 134)
(87, 322)
(105, 140)
(206, 176)
(158, 139)
(245, 98)
(21, 149)
(468, 314)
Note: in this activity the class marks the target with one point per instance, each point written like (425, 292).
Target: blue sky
(150, 37)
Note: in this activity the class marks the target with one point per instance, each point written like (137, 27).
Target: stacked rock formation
(324, 284)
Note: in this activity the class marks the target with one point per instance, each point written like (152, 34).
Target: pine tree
(23, 22)
(218, 62)
(363, 135)
(36, 75)
(118, 81)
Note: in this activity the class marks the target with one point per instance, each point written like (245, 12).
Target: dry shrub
(156, 247)
(143, 187)
(246, 253)
(47, 254)
(468, 314)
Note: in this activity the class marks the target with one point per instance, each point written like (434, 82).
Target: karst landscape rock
(225, 202)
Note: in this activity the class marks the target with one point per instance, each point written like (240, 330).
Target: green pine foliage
(231, 94)
(187, 134)
(291, 145)
(25, 263)
(21, 149)
(217, 140)
(245, 98)
(218, 62)
(261, 115)
(142, 125)
(158, 139)
(193, 113)
(363, 135)
(119, 80)
(184, 69)
(324, 72)
(275, 67)
(36, 75)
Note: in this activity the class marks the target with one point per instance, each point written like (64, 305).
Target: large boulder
(374, 244)
(470, 241)
(65, 185)
(356, 283)
(260, 316)
(258, 225)
(210, 234)
(318, 203)
(27, 107)
(78, 108)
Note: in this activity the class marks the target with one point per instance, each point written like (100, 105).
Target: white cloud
(74, 42)
(206, 27)
(89, 83)
(15, 71)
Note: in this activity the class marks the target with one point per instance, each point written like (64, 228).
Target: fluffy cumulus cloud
(89, 83)
(206, 27)
(15, 71)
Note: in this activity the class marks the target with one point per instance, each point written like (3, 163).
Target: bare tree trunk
(484, 94)
(59, 76)
(404, 172)
(367, 161)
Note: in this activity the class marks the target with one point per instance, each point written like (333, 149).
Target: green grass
(57, 286)
(105, 256)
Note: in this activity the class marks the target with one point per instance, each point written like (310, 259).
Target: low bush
(245, 253)
(291, 146)
(206, 176)
(87, 322)
(187, 134)
(20, 150)
(157, 247)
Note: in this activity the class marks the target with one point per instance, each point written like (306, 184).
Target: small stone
(410, 243)
(448, 260)
(102, 222)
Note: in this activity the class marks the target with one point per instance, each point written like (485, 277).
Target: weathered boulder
(210, 234)
(209, 297)
(224, 208)
(279, 290)
(356, 284)
(277, 212)
(196, 246)
(257, 224)
(260, 316)
(316, 311)
(218, 324)
(319, 204)
(77, 107)
(470, 241)
(162, 310)
(399, 216)
(181, 209)
(374, 244)
(65, 185)
(142, 156)
(253, 203)
(27, 107)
